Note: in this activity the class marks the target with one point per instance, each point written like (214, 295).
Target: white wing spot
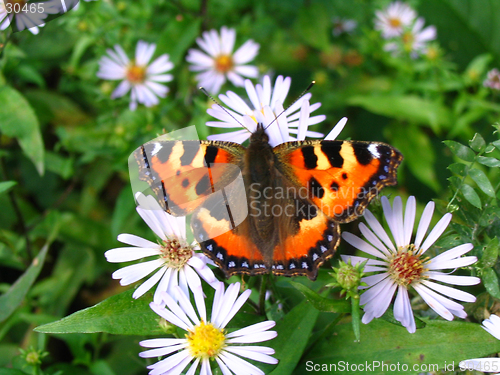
(323, 249)
(231, 264)
(304, 265)
(157, 149)
(315, 256)
(374, 151)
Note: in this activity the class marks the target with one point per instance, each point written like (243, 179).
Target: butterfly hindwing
(306, 238)
(309, 239)
(339, 177)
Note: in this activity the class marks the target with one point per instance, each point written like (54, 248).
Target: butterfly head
(259, 135)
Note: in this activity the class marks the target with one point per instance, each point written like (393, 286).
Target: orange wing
(307, 238)
(182, 174)
(340, 177)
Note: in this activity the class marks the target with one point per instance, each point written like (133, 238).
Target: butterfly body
(284, 215)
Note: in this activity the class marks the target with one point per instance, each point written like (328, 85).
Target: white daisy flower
(492, 326)
(267, 108)
(218, 61)
(207, 340)
(404, 265)
(27, 15)
(176, 263)
(343, 26)
(493, 79)
(393, 20)
(137, 75)
(414, 41)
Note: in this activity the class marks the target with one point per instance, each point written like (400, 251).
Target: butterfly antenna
(202, 89)
(295, 101)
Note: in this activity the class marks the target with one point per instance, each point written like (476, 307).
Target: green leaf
(455, 182)
(469, 29)
(418, 152)
(496, 143)
(413, 109)
(490, 254)
(461, 151)
(457, 168)
(61, 165)
(63, 111)
(477, 67)
(440, 343)
(314, 33)
(471, 195)
(6, 185)
(184, 32)
(15, 295)
(17, 120)
(294, 332)
(11, 371)
(482, 181)
(321, 303)
(119, 314)
(488, 161)
(490, 282)
(477, 143)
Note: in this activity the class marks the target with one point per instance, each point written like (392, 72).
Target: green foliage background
(65, 194)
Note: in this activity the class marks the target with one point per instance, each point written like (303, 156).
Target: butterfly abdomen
(260, 181)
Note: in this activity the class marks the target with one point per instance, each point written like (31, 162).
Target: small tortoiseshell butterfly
(261, 209)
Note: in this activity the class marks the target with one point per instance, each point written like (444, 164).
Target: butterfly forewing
(339, 177)
(182, 174)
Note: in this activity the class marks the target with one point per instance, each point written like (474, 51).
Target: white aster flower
(404, 265)
(137, 75)
(207, 340)
(266, 108)
(492, 326)
(175, 260)
(27, 15)
(393, 20)
(343, 26)
(218, 61)
(414, 41)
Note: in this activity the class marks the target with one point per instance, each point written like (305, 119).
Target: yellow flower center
(205, 341)
(408, 39)
(406, 267)
(395, 22)
(175, 254)
(223, 63)
(136, 74)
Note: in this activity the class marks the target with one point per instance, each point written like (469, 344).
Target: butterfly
(260, 209)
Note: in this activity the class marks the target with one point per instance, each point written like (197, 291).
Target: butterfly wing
(339, 177)
(307, 239)
(182, 174)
